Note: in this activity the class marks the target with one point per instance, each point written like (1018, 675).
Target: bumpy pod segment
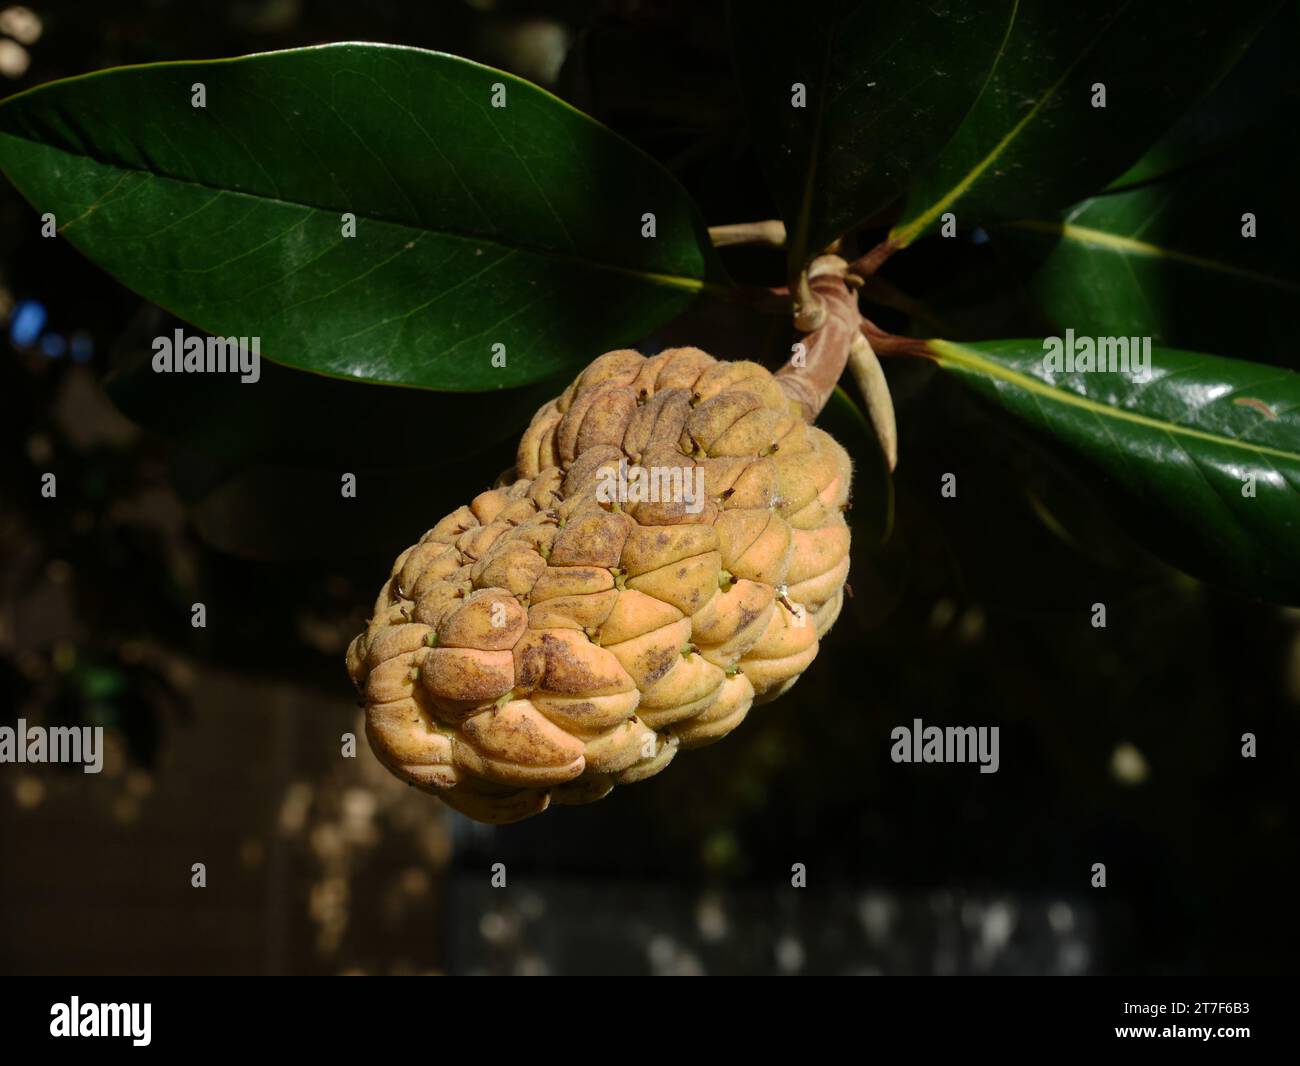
(670, 551)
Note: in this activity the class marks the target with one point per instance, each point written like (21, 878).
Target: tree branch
(818, 361)
(770, 232)
(866, 265)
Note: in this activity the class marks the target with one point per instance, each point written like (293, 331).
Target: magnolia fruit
(670, 550)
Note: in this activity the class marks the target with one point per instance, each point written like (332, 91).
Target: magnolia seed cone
(554, 639)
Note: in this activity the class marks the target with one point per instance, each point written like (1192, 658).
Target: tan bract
(546, 643)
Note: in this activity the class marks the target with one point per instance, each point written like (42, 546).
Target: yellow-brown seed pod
(668, 553)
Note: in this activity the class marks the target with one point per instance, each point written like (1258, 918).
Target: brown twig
(844, 338)
(888, 344)
(819, 359)
(866, 265)
(770, 232)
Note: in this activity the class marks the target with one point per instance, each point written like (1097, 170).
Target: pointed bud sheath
(548, 642)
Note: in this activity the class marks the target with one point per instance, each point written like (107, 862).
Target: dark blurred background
(1119, 745)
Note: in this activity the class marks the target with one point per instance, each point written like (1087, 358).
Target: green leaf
(1205, 454)
(1035, 142)
(476, 225)
(886, 86)
(298, 419)
(1169, 260)
(1251, 97)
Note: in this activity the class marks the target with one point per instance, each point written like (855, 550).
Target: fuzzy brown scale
(546, 643)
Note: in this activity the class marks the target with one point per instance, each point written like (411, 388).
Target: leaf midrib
(904, 235)
(1096, 238)
(973, 361)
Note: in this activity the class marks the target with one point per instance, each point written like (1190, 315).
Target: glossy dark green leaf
(299, 419)
(1205, 454)
(1171, 260)
(1035, 142)
(887, 83)
(1253, 96)
(477, 226)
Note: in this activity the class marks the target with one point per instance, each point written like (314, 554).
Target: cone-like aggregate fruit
(571, 629)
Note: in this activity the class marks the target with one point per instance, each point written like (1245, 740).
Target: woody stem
(770, 232)
(820, 358)
(841, 338)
